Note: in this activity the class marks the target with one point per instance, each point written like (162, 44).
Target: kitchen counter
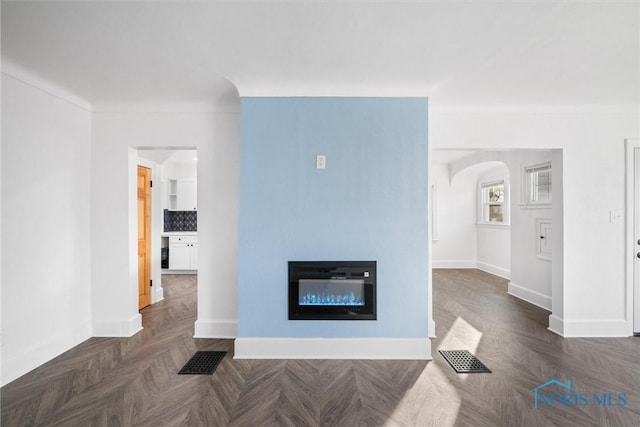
(179, 233)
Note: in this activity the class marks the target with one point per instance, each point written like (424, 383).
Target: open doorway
(174, 209)
(523, 244)
(144, 236)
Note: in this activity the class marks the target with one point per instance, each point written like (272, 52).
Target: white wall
(114, 267)
(463, 242)
(46, 304)
(588, 282)
(531, 276)
(494, 241)
(456, 246)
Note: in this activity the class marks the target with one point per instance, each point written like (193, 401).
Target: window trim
(527, 201)
(482, 219)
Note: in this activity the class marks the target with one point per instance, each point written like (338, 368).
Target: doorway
(173, 206)
(534, 278)
(144, 236)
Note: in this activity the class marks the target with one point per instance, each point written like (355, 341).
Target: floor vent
(203, 363)
(464, 362)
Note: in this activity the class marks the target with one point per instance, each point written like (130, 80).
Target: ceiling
(457, 53)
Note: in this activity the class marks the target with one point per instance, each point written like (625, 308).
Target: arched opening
(521, 243)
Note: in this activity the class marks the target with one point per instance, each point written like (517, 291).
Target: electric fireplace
(332, 290)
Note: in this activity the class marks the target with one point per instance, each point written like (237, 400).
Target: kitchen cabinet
(182, 194)
(183, 252)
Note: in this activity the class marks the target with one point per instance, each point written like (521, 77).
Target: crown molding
(21, 74)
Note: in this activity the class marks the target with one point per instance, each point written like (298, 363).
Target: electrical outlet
(321, 161)
(615, 216)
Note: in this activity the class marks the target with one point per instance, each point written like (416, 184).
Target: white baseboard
(216, 329)
(592, 328)
(453, 264)
(333, 348)
(29, 358)
(528, 295)
(556, 325)
(489, 268)
(158, 294)
(118, 328)
(432, 328)
(495, 270)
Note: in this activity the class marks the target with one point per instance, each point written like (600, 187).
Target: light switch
(321, 161)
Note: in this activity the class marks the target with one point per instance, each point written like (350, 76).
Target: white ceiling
(458, 53)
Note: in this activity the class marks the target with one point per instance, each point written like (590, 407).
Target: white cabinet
(183, 252)
(182, 194)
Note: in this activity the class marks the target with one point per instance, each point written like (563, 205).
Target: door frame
(157, 293)
(632, 230)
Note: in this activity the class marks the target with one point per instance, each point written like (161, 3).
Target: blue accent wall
(370, 203)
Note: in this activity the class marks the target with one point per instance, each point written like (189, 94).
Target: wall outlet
(321, 161)
(615, 216)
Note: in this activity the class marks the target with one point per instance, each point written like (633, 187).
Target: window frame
(530, 173)
(484, 203)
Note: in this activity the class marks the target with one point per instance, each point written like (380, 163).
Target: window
(493, 202)
(537, 180)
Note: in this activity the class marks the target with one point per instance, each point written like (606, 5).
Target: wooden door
(144, 237)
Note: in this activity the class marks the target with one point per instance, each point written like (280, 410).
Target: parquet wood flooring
(134, 382)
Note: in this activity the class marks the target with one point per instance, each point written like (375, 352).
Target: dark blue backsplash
(180, 220)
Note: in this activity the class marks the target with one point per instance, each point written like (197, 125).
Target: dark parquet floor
(133, 381)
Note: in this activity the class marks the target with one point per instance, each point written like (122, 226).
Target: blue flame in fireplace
(328, 298)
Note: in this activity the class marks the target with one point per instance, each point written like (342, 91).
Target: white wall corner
(453, 264)
(495, 270)
(333, 348)
(118, 328)
(216, 329)
(531, 296)
(614, 328)
(29, 358)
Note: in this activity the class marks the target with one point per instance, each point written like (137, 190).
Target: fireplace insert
(332, 290)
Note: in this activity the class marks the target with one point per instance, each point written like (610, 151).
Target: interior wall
(46, 305)
(114, 268)
(531, 276)
(370, 203)
(588, 284)
(494, 240)
(456, 245)
(463, 242)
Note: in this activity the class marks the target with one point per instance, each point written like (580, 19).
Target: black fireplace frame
(335, 270)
